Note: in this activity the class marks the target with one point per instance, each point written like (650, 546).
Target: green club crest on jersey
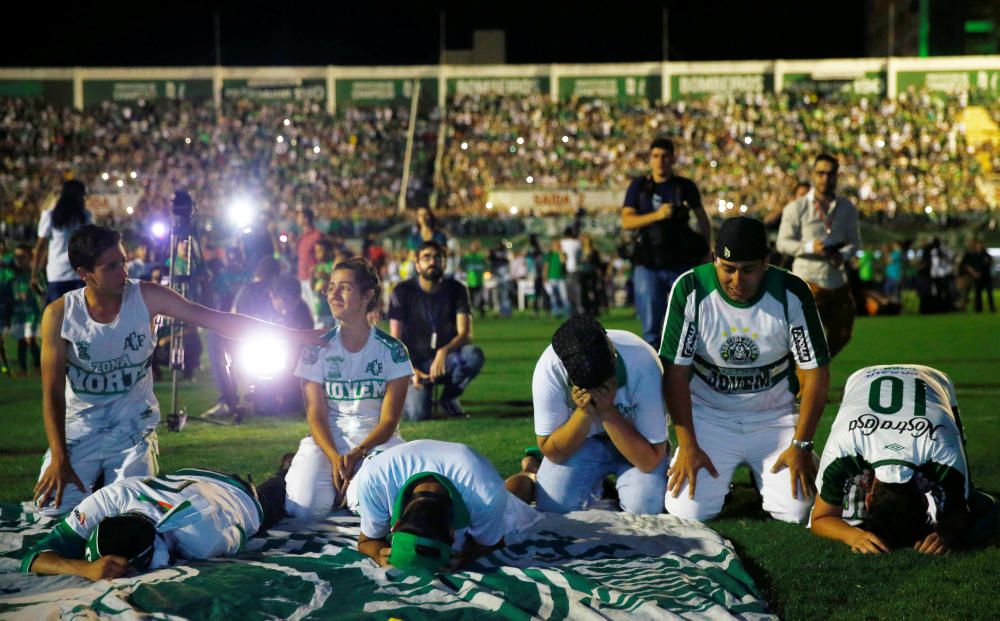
(83, 350)
(374, 368)
(399, 354)
(333, 370)
(310, 354)
(739, 349)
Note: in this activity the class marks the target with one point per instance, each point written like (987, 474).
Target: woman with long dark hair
(54, 229)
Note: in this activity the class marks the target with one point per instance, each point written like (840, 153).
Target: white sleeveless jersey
(743, 355)
(895, 422)
(108, 384)
(198, 513)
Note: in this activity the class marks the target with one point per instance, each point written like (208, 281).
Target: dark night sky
(141, 33)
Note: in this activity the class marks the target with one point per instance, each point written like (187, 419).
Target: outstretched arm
(827, 522)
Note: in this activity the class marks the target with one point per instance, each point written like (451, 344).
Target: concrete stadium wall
(652, 81)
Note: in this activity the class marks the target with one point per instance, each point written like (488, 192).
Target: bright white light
(187, 141)
(283, 238)
(465, 146)
(520, 140)
(513, 209)
(713, 163)
(262, 357)
(105, 176)
(748, 140)
(160, 229)
(129, 210)
(247, 230)
(729, 204)
(241, 212)
(120, 183)
(489, 204)
(133, 174)
(287, 122)
(743, 208)
(928, 209)
(316, 149)
(565, 138)
(529, 179)
(722, 204)
(280, 139)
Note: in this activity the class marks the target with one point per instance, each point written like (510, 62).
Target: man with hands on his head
(598, 411)
(735, 331)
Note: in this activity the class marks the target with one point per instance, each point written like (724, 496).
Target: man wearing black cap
(599, 411)
(734, 333)
(429, 505)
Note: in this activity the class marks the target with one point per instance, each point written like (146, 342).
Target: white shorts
(309, 482)
(116, 457)
(728, 446)
(20, 331)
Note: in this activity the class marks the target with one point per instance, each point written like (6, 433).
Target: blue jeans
(571, 485)
(652, 288)
(461, 367)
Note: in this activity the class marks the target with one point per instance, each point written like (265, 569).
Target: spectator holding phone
(820, 231)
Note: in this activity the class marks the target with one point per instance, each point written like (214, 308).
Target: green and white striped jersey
(895, 422)
(743, 355)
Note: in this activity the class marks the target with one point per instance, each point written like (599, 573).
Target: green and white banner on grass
(585, 565)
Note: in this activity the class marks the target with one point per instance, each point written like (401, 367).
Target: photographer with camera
(98, 405)
(820, 230)
(656, 213)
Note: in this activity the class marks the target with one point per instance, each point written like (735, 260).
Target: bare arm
(463, 336)
(60, 472)
(562, 443)
(106, 567)
(375, 549)
(319, 427)
(827, 522)
(632, 445)
(390, 414)
(632, 220)
(161, 300)
(690, 458)
(802, 464)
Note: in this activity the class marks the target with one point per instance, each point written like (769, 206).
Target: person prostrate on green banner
(431, 505)
(894, 472)
(144, 523)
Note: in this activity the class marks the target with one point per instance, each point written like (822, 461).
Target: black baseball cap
(741, 239)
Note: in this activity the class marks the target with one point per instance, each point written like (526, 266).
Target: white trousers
(116, 457)
(758, 446)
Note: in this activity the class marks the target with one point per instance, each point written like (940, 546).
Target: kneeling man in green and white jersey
(738, 336)
(894, 472)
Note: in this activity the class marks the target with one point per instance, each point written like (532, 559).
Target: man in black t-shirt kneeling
(431, 315)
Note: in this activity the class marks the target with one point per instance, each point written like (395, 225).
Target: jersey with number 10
(894, 420)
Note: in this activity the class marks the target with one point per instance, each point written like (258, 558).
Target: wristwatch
(805, 445)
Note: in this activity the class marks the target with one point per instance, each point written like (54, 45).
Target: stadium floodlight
(729, 204)
(187, 140)
(529, 179)
(241, 212)
(262, 357)
(105, 176)
(565, 138)
(280, 139)
(283, 238)
(520, 140)
(120, 183)
(133, 174)
(160, 229)
(129, 210)
(513, 210)
(713, 163)
(489, 204)
(316, 149)
(287, 122)
(743, 208)
(465, 146)
(928, 210)
(748, 140)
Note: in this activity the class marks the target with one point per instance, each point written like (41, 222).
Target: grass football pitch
(800, 576)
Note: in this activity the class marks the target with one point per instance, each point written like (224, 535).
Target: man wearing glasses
(431, 315)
